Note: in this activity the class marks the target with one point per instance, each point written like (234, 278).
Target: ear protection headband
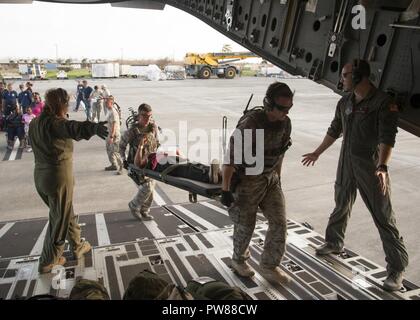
(268, 99)
(357, 75)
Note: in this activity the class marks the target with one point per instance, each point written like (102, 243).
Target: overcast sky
(102, 31)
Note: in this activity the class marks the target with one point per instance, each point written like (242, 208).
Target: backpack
(205, 288)
(85, 289)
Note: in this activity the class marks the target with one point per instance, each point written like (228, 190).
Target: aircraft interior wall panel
(208, 9)
(219, 11)
(402, 74)
(241, 17)
(200, 6)
(380, 44)
(258, 22)
(311, 37)
(274, 28)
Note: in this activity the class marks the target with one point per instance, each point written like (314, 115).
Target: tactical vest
(151, 144)
(276, 137)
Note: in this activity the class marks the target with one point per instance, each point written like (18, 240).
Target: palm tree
(227, 48)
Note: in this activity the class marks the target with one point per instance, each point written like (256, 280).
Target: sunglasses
(282, 108)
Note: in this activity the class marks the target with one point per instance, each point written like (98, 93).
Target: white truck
(125, 70)
(105, 70)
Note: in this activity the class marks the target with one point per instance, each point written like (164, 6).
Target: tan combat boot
(48, 268)
(275, 275)
(83, 249)
(145, 215)
(243, 269)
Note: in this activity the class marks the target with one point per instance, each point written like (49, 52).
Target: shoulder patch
(393, 107)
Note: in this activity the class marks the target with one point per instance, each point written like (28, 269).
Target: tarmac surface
(200, 105)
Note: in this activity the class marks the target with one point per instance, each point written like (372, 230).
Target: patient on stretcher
(178, 166)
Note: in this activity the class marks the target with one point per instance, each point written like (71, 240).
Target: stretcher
(194, 188)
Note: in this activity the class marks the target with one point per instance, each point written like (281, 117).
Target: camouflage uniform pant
(96, 110)
(142, 201)
(263, 191)
(112, 149)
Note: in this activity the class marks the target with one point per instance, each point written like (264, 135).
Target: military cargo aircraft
(308, 38)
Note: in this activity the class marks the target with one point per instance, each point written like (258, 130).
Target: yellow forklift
(203, 66)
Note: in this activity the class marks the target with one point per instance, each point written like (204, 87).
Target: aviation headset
(269, 102)
(360, 69)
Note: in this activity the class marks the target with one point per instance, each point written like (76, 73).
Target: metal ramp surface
(183, 242)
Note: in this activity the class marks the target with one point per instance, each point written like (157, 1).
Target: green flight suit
(364, 126)
(52, 146)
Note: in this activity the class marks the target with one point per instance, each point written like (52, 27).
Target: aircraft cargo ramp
(183, 242)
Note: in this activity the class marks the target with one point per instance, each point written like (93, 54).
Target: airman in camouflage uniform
(263, 190)
(114, 136)
(367, 119)
(144, 134)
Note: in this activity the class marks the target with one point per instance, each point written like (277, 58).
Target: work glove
(227, 198)
(101, 130)
(125, 164)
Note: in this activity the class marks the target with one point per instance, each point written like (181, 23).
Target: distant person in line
(2, 119)
(105, 94)
(38, 105)
(79, 95)
(114, 136)
(15, 128)
(9, 97)
(97, 102)
(25, 98)
(87, 91)
(20, 94)
(27, 118)
(29, 86)
(52, 138)
(367, 120)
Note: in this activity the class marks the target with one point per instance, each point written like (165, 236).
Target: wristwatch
(382, 167)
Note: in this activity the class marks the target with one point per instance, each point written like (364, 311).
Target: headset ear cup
(268, 103)
(356, 78)
(356, 74)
